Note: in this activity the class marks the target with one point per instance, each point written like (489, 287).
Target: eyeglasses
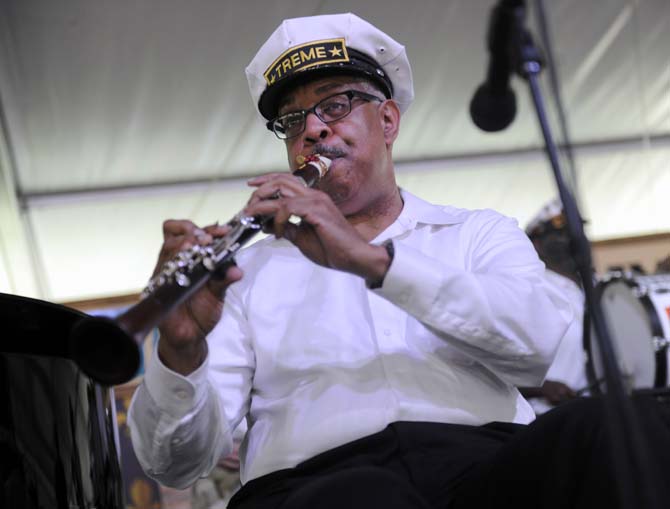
(330, 109)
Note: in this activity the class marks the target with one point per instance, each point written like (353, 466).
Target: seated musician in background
(663, 266)
(374, 343)
(567, 375)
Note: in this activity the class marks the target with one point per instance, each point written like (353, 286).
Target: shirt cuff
(174, 393)
(412, 281)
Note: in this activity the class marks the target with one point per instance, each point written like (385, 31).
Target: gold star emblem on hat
(335, 52)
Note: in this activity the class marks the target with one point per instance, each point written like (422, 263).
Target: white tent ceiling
(117, 115)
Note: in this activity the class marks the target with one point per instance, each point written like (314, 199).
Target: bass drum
(637, 310)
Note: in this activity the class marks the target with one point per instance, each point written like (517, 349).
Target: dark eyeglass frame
(275, 126)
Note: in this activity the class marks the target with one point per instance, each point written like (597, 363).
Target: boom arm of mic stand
(630, 448)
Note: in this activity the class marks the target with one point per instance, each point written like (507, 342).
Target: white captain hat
(311, 47)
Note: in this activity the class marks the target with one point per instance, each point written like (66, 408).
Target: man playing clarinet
(374, 342)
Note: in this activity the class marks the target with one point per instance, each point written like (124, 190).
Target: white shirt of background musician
(314, 359)
(569, 365)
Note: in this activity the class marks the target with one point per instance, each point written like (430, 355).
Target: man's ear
(390, 117)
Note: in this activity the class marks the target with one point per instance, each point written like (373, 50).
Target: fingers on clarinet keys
(269, 226)
(206, 235)
(220, 273)
(202, 237)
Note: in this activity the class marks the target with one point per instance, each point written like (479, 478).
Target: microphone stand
(629, 446)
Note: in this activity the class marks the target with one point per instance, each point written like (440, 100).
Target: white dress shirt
(569, 365)
(314, 359)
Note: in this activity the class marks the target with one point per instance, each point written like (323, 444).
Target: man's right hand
(182, 346)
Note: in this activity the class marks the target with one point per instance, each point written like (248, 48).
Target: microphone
(493, 105)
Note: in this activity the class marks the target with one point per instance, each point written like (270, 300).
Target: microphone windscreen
(490, 111)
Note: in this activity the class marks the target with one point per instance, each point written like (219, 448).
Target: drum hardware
(660, 343)
(640, 291)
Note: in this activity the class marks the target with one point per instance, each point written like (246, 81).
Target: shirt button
(181, 394)
(387, 332)
(175, 441)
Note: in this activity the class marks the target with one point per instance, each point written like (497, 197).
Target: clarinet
(109, 350)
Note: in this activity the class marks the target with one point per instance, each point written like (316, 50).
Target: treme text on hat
(310, 47)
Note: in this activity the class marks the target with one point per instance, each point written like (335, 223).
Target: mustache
(329, 152)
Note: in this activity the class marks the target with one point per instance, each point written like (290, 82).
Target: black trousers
(561, 460)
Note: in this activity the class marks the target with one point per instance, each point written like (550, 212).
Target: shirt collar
(416, 210)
